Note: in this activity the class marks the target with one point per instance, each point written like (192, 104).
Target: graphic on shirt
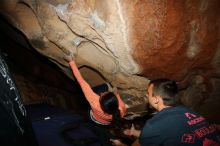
(203, 131)
(209, 142)
(193, 119)
(188, 138)
(190, 115)
(10, 104)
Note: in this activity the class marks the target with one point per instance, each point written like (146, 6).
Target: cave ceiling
(128, 42)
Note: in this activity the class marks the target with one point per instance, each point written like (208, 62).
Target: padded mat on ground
(48, 122)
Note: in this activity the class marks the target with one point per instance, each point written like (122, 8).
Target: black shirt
(178, 126)
(15, 128)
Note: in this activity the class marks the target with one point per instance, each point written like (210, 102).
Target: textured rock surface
(129, 42)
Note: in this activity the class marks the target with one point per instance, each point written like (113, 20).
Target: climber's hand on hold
(70, 56)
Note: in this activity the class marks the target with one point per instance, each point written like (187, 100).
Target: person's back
(15, 128)
(98, 114)
(177, 126)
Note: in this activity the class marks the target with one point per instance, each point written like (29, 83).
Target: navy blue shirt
(178, 126)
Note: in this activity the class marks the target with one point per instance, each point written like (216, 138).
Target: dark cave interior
(33, 72)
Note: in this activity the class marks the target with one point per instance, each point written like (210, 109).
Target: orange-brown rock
(174, 38)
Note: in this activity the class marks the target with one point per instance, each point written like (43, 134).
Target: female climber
(106, 108)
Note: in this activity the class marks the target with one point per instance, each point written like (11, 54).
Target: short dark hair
(167, 90)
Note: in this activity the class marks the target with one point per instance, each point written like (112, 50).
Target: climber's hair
(110, 105)
(109, 102)
(167, 90)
